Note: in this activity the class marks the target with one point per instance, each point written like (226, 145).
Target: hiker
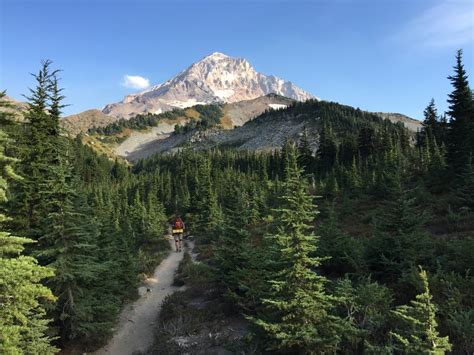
(178, 230)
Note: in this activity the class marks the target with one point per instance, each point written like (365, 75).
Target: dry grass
(226, 122)
(192, 113)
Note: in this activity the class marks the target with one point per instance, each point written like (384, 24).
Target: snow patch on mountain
(185, 104)
(224, 93)
(277, 106)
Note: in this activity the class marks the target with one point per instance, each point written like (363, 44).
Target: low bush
(193, 274)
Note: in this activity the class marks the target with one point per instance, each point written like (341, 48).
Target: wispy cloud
(135, 82)
(447, 24)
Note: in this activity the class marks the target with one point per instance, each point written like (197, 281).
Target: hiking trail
(135, 330)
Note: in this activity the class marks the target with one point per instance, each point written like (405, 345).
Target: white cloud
(447, 24)
(135, 82)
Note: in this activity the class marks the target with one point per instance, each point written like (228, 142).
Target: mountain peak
(217, 78)
(216, 56)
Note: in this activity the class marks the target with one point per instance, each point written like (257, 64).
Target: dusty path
(134, 332)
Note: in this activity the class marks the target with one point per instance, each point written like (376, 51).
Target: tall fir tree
(36, 158)
(431, 124)
(399, 242)
(461, 113)
(297, 315)
(58, 218)
(465, 191)
(23, 321)
(305, 153)
(418, 332)
(208, 213)
(328, 149)
(232, 243)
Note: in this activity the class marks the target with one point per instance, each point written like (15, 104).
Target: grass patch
(196, 275)
(192, 323)
(150, 256)
(196, 320)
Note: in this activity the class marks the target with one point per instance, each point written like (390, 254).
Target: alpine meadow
(227, 211)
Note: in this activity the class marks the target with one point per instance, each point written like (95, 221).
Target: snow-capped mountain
(215, 78)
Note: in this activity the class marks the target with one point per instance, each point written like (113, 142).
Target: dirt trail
(135, 331)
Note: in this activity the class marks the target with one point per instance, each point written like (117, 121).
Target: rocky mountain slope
(266, 132)
(238, 113)
(410, 123)
(76, 124)
(216, 78)
(233, 115)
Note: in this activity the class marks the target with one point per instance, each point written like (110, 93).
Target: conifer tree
(425, 152)
(305, 153)
(366, 304)
(328, 149)
(465, 191)
(436, 176)
(116, 250)
(69, 245)
(23, 322)
(298, 310)
(284, 155)
(155, 218)
(431, 124)
(399, 243)
(349, 149)
(332, 185)
(60, 219)
(346, 252)
(461, 112)
(136, 212)
(354, 177)
(84, 306)
(418, 332)
(36, 158)
(55, 109)
(231, 246)
(208, 212)
(366, 141)
(443, 129)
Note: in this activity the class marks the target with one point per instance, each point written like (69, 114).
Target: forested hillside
(260, 124)
(357, 236)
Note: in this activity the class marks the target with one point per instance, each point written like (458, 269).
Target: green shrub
(193, 274)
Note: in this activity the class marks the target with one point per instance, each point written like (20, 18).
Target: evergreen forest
(364, 245)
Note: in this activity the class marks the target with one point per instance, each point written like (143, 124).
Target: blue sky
(379, 55)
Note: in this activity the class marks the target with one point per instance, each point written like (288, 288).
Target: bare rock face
(410, 123)
(216, 78)
(238, 113)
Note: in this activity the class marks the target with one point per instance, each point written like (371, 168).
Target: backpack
(178, 224)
